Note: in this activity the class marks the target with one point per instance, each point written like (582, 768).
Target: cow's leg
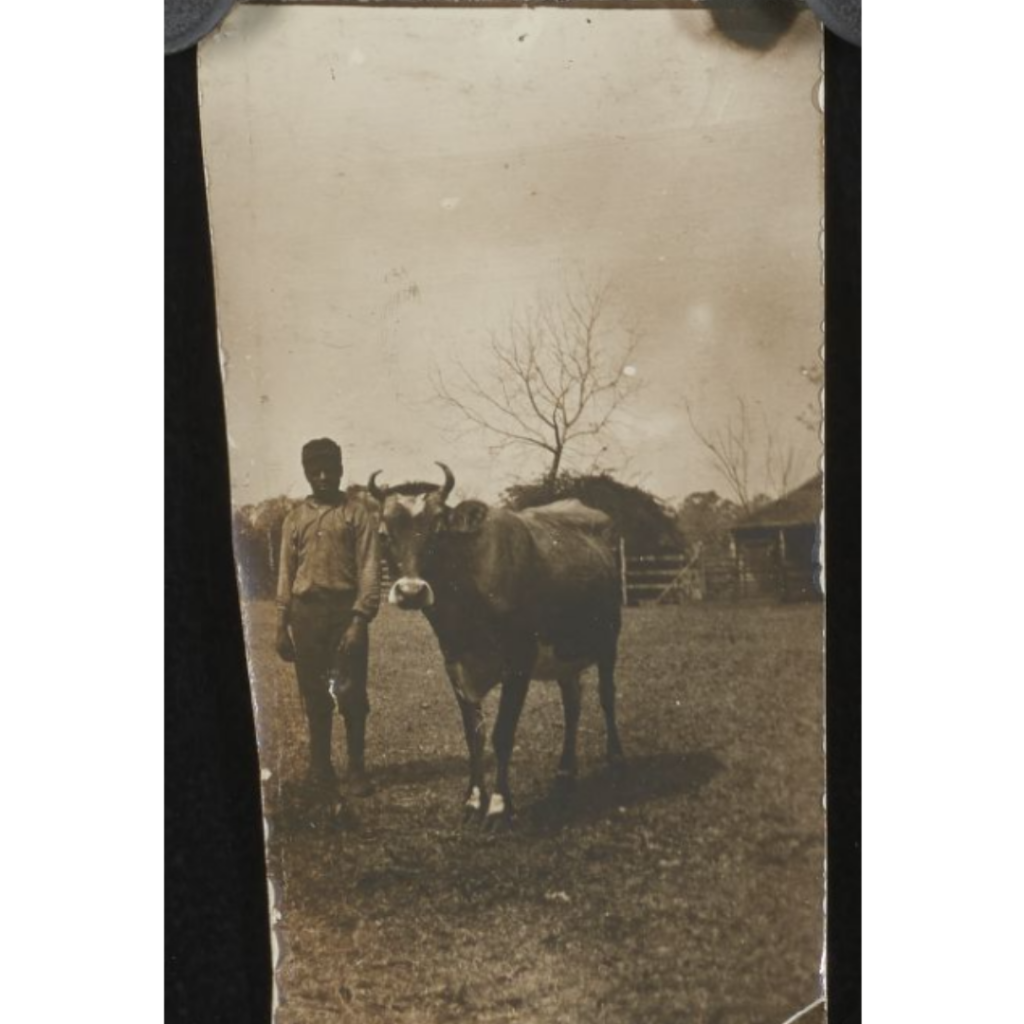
(473, 726)
(606, 686)
(510, 707)
(566, 775)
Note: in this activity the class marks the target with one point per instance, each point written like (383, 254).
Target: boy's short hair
(321, 449)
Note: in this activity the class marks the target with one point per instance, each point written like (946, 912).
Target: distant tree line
(648, 524)
(257, 531)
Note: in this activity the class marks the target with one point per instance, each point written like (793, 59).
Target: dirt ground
(689, 891)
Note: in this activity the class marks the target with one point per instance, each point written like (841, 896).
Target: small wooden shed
(778, 547)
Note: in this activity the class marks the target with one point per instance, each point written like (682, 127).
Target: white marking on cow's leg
(473, 808)
(496, 806)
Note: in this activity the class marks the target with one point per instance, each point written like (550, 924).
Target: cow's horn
(372, 487)
(449, 481)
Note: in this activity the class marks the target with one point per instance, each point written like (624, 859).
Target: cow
(511, 597)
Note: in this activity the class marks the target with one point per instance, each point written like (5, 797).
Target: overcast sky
(385, 185)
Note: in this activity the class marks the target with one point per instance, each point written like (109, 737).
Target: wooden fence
(703, 576)
(675, 578)
(656, 579)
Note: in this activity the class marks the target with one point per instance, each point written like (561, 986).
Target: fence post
(623, 572)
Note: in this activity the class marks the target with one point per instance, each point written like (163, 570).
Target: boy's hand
(284, 645)
(353, 637)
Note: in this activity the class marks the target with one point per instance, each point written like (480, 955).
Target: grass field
(690, 891)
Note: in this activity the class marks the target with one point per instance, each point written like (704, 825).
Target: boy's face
(324, 476)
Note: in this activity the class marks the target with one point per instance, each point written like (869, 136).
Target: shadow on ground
(424, 770)
(642, 780)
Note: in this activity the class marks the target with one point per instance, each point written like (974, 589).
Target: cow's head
(417, 526)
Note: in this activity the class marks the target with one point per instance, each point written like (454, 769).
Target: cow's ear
(467, 517)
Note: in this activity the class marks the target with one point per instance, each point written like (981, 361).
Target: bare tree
(730, 447)
(553, 378)
(743, 452)
(780, 461)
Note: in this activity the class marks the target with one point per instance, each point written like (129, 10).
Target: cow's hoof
(473, 808)
(499, 815)
(322, 783)
(564, 784)
(340, 815)
(496, 824)
(359, 785)
(471, 817)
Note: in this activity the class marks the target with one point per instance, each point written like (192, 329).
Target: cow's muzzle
(411, 594)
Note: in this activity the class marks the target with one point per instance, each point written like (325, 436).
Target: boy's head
(321, 462)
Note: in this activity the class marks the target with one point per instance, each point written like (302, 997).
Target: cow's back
(548, 575)
(571, 514)
(575, 549)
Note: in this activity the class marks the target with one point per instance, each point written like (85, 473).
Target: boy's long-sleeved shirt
(330, 549)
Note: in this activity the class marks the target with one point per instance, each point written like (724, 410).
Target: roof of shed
(801, 507)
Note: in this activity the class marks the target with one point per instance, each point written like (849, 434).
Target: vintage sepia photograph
(520, 315)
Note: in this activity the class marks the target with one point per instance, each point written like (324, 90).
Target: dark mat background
(217, 955)
(188, 21)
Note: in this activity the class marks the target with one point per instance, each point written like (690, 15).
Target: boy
(328, 593)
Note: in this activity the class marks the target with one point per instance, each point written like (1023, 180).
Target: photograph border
(213, 790)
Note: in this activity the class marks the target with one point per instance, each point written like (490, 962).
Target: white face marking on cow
(414, 504)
